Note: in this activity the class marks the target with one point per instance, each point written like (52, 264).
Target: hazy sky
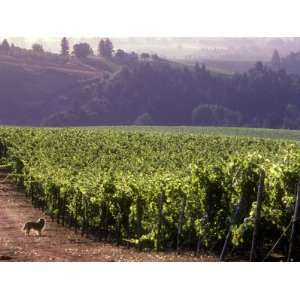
(149, 18)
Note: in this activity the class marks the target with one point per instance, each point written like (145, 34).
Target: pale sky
(117, 18)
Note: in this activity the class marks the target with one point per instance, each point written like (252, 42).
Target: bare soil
(59, 243)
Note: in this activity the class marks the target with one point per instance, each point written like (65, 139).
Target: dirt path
(58, 243)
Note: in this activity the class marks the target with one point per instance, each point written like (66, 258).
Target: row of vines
(155, 190)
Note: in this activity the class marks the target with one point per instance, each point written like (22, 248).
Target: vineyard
(156, 190)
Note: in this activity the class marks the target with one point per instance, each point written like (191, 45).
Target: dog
(37, 226)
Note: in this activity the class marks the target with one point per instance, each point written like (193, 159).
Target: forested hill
(122, 88)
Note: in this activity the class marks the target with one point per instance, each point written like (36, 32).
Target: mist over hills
(247, 49)
(131, 81)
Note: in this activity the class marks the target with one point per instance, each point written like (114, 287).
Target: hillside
(34, 86)
(47, 89)
(41, 88)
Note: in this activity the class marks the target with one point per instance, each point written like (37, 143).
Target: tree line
(80, 50)
(161, 93)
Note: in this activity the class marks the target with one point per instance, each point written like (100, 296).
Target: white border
(155, 18)
(148, 281)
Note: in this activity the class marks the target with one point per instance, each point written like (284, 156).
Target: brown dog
(37, 226)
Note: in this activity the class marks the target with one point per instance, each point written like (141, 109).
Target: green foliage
(131, 184)
(206, 114)
(105, 48)
(5, 47)
(82, 50)
(64, 47)
(38, 48)
(144, 119)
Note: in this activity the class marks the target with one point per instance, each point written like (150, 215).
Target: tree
(65, 47)
(37, 48)
(101, 48)
(276, 62)
(134, 56)
(105, 48)
(109, 48)
(5, 47)
(215, 115)
(126, 58)
(144, 119)
(154, 56)
(120, 54)
(203, 115)
(145, 55)
(291, 119)
(82, 50)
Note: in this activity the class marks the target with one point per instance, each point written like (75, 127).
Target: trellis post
(253, 252)
(180, 223)
(234, 221)
(295, 223)
(159, 221)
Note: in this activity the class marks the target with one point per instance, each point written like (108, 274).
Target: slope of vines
(154, 189)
